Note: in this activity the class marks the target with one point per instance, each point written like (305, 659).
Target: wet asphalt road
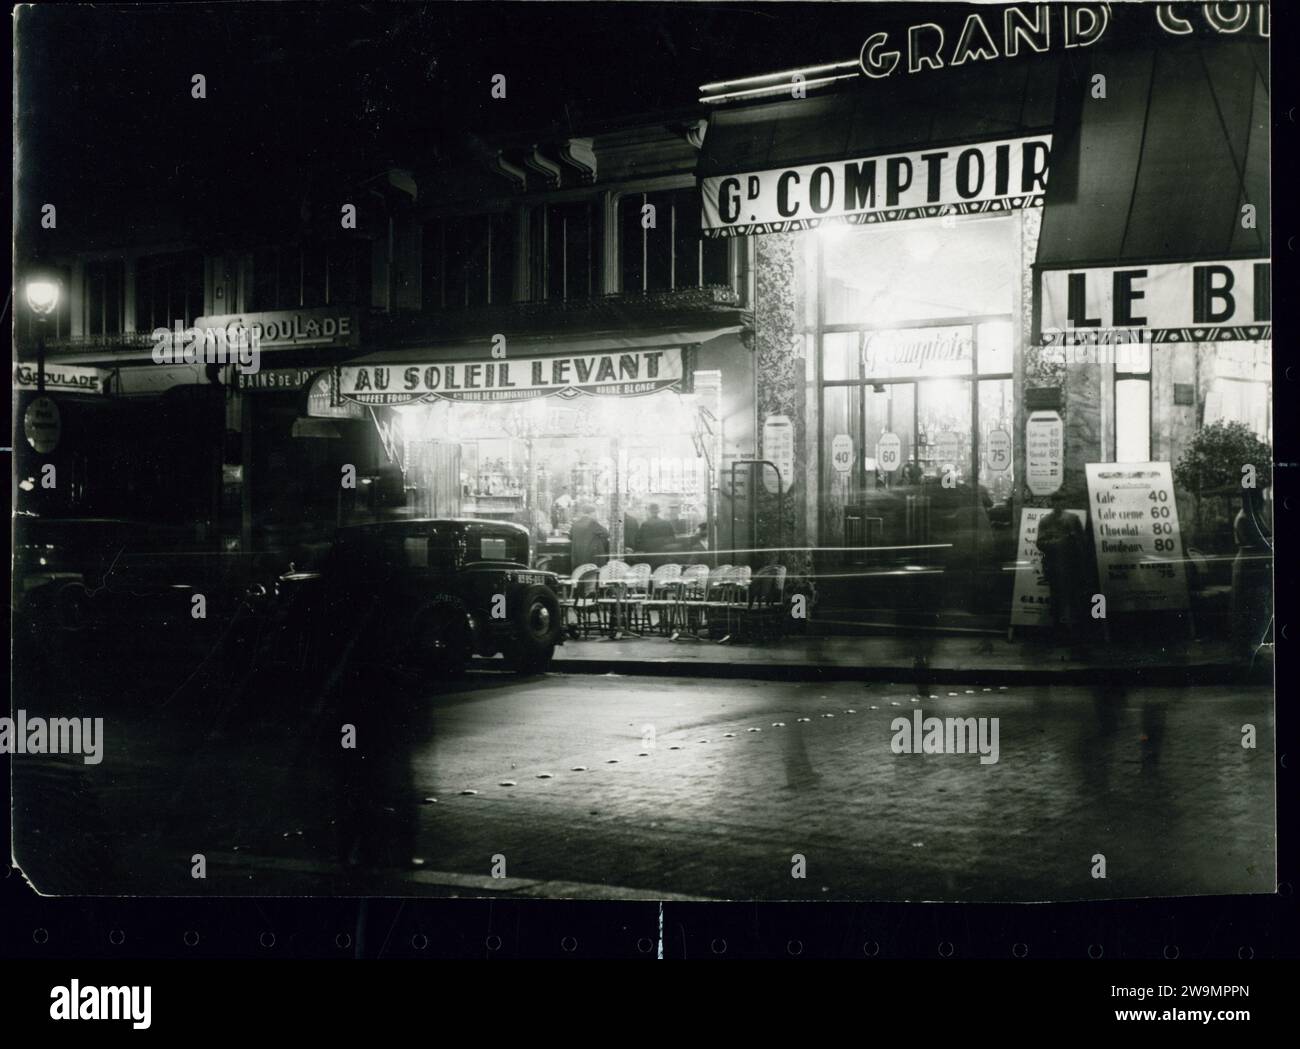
(602, 786)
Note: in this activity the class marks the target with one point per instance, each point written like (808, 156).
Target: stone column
(780, 367)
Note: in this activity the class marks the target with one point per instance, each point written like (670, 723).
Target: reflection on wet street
(389, 786)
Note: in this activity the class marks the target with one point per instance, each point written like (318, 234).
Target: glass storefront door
(914, 330)
(916, 432)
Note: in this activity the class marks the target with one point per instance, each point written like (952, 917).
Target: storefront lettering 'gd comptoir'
(989, 176)
(629, 373)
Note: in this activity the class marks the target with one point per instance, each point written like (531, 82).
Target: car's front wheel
(536, 626)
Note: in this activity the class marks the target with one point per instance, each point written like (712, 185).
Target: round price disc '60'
(889, 452)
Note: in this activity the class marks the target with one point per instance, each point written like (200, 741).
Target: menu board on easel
(1136, 538)
(1031, 599)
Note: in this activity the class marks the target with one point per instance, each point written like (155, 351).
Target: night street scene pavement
(600, 786)
(653, 451)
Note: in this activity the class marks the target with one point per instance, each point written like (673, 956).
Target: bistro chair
(763, 616)
(690, 589)
(567, 586)
(695, 603)
(729, 599)
(611, 588)
(636, 590)
(583, 603)
(662, 593)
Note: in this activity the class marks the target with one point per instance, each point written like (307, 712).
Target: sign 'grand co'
(1038, 28)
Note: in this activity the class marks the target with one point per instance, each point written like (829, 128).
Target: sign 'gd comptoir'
(986, 176)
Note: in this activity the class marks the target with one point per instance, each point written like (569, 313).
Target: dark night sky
(108, 130)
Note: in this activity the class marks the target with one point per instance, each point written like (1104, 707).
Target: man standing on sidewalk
(1060, 541)
(589, 538)
(656, 533)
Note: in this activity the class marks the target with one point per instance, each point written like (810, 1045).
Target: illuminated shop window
(890, 274)
(1132, 403)
(1239, 388)
(917, 352)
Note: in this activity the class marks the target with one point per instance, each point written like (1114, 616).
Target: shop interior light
(411, 419)
(923, 244)
(42, 295)
(833, 232)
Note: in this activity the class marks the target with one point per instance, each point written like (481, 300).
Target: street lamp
(42, 300)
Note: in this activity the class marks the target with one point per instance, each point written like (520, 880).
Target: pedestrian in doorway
(588, 538)
(1252, 576)
(698, 547)
(631, 527)
(560, 508)
(1060, 541)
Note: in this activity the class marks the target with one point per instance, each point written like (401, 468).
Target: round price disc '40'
(842, 452)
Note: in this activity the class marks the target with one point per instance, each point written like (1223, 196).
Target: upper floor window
(306, 275)
(104, 300)
(661, 245)
(468, 260)
(564, 250)
(168, 288)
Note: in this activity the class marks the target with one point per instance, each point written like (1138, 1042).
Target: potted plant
(1212, 470)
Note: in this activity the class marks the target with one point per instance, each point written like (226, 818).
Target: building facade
(855, 319)
(991, 250)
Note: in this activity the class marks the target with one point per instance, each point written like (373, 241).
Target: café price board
(1044, 452)
(1136, 537)
(1031, 599)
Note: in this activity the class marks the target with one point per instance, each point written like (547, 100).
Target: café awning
(1159, 169)
(527, 367)
(544, 345)
(1154, 150)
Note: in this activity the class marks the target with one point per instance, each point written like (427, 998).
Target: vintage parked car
(109, 576)
(423, 595)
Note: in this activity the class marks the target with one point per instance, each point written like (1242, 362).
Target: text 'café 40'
(996, 251)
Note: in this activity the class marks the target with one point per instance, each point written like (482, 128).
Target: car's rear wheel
(536, 626)
(442, 637)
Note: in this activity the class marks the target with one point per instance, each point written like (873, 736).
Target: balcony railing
(615, 310)
(122, 342)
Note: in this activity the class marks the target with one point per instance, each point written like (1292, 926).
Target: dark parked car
(99, 575)
(418, 594)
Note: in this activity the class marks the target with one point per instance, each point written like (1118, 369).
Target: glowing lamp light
(42, 296)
